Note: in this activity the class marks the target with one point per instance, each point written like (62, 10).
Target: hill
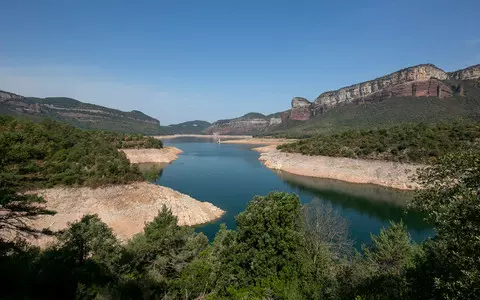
(250, 123)
(77, 113)
(422, 93)
(190, 127)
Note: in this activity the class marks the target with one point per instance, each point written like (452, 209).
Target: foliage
(418, 143)
(451, 201)
(50, 153)
(279, 250)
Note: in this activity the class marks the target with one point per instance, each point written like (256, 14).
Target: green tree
(451, 201)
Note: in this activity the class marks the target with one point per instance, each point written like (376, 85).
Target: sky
(185, 60)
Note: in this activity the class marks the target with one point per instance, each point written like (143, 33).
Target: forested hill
(77, 113)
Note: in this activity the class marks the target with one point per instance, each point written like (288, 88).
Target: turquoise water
(230, 175)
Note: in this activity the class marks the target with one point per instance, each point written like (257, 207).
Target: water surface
(229, 176)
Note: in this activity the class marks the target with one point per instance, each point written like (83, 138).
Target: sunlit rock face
(385, 84)
(472, 72)
(302, 109)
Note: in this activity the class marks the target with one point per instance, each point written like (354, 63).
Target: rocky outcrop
(424, 80)
(381, 86)
(79, 114)
(472, 72)
(302, 109)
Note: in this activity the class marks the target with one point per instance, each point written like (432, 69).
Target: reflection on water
(230, 175)
(373, 200)
(151, 171)
(371, 192)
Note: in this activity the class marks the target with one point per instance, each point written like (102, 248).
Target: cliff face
(421, 73)
(79, 114)
(419, 81)
(301, 109)
(472, 72)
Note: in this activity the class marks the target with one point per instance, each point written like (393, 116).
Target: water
(229, 176)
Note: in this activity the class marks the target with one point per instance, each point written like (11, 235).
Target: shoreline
(164, 155)
(124, 208)
(383, 173)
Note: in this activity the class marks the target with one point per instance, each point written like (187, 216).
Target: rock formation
(424, 80)
(301, 109)
(472, 72)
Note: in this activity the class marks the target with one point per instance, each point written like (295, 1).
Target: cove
(230, 175)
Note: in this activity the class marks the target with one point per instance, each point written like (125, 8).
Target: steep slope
(79, 114)
(190, 127)
(422, 93)
(393, 111)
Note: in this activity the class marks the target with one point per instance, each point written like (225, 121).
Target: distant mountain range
(423, 93)
(78, 114)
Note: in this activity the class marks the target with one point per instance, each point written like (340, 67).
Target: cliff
(425, 80)
(77, 113)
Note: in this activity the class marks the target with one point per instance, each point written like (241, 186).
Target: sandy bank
(389, 174)
(164, 155)
(205, 136)
(125, 208)
(258, 141)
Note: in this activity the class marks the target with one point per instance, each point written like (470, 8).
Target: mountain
(78, 114)
(422, 93)
(190, 127)
(251, 123)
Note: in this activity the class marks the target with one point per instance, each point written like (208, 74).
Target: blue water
(229, 176)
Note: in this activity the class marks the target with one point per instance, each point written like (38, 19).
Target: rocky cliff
(425, 80)
(79, 114)
(472, 72)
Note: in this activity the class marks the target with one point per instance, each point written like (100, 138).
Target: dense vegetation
(190, 127)
(280, 250)
(49, 153)
(407, 143)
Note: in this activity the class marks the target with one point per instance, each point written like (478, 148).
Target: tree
(451, 201)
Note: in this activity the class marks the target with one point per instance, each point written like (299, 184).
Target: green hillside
(77, 113)
(190, 127)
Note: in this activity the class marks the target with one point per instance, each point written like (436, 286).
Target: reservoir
(230, 175)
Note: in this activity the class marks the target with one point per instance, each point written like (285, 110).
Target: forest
(280, 248)
(415, 143)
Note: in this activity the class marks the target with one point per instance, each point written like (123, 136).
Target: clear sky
(183, 60)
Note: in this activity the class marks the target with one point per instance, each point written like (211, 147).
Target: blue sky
(183, 60)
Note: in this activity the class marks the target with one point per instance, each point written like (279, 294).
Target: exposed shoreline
(124, 208)
(384, 173)
(164, 156)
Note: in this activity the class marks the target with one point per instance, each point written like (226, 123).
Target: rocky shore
(389, 174)
(125, 208)
(164, 155)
